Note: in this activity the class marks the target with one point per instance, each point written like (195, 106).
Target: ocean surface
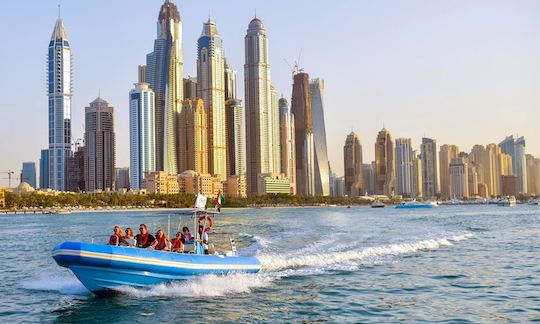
(449, 264)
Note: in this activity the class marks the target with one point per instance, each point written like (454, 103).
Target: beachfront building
(430, 168)
(446, 154)
(516, 148)
(235, 186)
(322, 172)
(28, 173)
(404, 167)
(44, 169)
(192, 139)
(273, 183)
(458, 178)
(352, 164)
(287, 146)
(384, 161)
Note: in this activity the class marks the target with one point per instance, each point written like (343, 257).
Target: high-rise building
(122, 179)
(516, 148)
(352, 163)
(322, 172)
(533, 174)
(99, 138)
(28, 173)
(509, 185)
(473, 180)
(190, 88)
(458, 178)
(234, 113)
(164, 73)
(193, 131)
(384, 159)
(301, 108)
(59, 78)
(44, 169)
(430, 168)
(211, 89)
(446, 154)
(404, 167)
(368, 178)
(286, 127)
(142, 141)
(230, 81)
(276, 145)
(337, 186)
(259, 121)
(75, 171)
(417, 175)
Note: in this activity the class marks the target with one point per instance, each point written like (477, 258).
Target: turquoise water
(452, 263)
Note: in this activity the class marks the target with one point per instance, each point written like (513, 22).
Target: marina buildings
(515, 147)
(44, 169)
(193, 137)
(404, 167)
(352, 164)
(76, 171)
(430, 168)
(286, 126)
(28, 173)
(301, 108)
(59, 81)
(384, 161)
(234, 116)
(99, 139)
(458, 178)
(446, 154)
(322, 172)
(164, 74)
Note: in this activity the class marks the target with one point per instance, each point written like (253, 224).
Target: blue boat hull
(413, 206)
(102, 268)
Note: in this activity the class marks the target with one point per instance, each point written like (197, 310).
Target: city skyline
(28, 149)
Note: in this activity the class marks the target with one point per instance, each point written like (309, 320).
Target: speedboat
(507, 202)
(377, 204)
(416, 204)
(103, 268)
(534, 202)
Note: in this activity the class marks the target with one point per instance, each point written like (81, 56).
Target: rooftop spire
(59, 32)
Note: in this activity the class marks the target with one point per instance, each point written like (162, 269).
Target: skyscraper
(516, 148)
(230, 81)
(75, 171)
(276, 145)
(99, 138)
(235, 137)
(211, 89)
(301, 108)
(458, 178)
(352, 163)
(417, 182)
(368, 178)
(28, 173)
(122, 179)
(190, 88)
(286, 126)
(384, 159)
(322, 172)
(430, 168)
(259, 159)
(164, 73)
(193, 131)
(446, 154)
(59, 78)
(142, 132)
(44, 169)
(404, 167)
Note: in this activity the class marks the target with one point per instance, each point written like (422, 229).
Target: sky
(463, 72)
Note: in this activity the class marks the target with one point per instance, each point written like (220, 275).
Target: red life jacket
(140, 239)
(161, 244)
(176, 243)
(113, 240)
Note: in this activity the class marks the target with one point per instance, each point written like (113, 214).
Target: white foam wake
(64, 284)
(276, 262)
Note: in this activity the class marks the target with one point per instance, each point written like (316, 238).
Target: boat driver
(144, 239)
(203, 236)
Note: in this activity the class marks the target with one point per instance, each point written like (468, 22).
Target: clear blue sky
(461, 71)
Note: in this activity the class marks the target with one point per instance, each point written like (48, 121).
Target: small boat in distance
(534, 202)
(416, 204)
(377, 204)
(507, 202)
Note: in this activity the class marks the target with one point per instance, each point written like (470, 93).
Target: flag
(200, 202)
(219, 201)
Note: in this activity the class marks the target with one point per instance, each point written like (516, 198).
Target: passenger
(177, 243)
(144, 239)
(203, 237)
(161, 242)
(188, 237)
(117, 237)
(129, 239)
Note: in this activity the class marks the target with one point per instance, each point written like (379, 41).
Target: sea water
(334, 264)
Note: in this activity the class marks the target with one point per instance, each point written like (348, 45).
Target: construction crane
(10, 175)
(296, 69)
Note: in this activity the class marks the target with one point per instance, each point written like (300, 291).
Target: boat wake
(64, 284)
(304, 262)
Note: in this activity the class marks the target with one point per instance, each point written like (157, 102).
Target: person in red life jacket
(188, 237)
(161, 242)
(117, 237)
(177, 243)
(144, 239)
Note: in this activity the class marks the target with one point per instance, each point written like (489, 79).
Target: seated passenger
(161, 242)
(144, 239)
(177, 243)
(188, 237)
(117, 237)
(128, 238)
(203, 237)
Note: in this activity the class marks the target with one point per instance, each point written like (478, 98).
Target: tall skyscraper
(75, 171)
(384, 159)
(352, 163)
(59, 78)
(235, 137)
(404, 167)
(230, 81)
(322, 172)
(417, 190)
(516, 148)
(193, 130)
(211, 89)
(368, 178)
(446, 154)
(190, 88)
(44, 169)
(259, 159)
(276, 145)
(122, 179)
(430, 168)
(28, 173)
(286, 126)
(164, 73)
(142, 132)
(301, 108)
(99, 138)
(533, 174)
(458, 178)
